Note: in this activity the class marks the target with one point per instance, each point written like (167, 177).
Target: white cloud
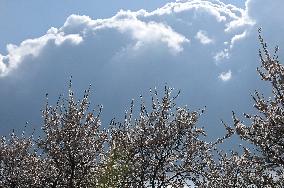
(233, 20)
(203, 38)
(226, 76)
(33, 47)
(224, 54)
(126, 54)
(142, 32)
(151, 32)
(237, 38)
(217, 9)
(77, 26)
(127, 22)
(233, 16)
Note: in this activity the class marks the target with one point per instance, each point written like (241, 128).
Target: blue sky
(207, 49)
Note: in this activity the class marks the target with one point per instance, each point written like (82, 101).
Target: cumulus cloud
(226, 76)
(135, 25)
(123, 22)
(125, 55)
(233, 22)
(219, 10)
(237, 38)
(33, 47)
(203, 38)
(127, 22)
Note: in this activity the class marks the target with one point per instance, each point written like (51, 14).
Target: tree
(240, 170)
(266, 131)
(164, 145)
(19, 167)
(73, 144)
(70, 153)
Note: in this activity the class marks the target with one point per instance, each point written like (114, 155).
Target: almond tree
(163, 146)
(266, 131)
(240, 170)
(19, 166)
(73, 144)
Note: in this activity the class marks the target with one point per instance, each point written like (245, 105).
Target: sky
(208, 49)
